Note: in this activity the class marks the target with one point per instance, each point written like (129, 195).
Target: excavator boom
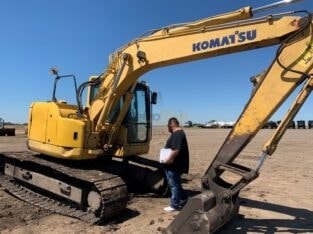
(183, 44)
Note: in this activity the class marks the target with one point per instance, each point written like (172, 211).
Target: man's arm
(171, 157)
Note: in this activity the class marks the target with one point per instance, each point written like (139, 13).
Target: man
(176, 164)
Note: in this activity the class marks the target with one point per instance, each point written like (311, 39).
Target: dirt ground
(280, 200)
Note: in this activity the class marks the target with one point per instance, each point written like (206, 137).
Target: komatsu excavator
(74, 171)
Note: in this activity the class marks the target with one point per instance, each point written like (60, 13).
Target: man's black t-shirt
(178, 141)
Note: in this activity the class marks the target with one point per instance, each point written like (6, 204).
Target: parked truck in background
(217, 124)
(301, 124)
(4, 131)
(310, 124)
(292, 124)
(211, 124)
(270, 125)
(188, 124)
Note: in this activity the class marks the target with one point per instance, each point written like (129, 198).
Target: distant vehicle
(229, 124)
(217, 124)
(270, 125)
(310, 124)
(6, 131)
(292, 124)
(301, 124)
(188, 124)
(211, 124)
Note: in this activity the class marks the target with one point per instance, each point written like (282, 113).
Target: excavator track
(90, 195)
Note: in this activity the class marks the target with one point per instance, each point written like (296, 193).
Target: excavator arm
(292, 66)
(218, 203)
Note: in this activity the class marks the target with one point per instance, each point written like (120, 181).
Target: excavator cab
(137, 123)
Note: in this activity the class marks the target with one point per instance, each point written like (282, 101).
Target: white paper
(164, 154)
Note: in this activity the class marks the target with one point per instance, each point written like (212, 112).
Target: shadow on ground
(301, 223)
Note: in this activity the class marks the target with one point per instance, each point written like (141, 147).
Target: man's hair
(173, 120)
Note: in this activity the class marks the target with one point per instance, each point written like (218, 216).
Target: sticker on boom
(237, 37)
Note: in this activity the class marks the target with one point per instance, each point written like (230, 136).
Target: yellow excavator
(86, 156)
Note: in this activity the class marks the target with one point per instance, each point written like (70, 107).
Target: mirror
(154, 97)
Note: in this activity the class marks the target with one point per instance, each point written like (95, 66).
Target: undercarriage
(91, 191)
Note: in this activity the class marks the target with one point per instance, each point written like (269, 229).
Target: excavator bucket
(203, 213)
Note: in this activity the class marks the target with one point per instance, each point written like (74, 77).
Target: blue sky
(77, 36)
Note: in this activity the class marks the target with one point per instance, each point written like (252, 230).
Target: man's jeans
(177, 192)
